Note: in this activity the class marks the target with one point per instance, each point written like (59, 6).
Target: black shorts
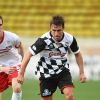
(48, 86)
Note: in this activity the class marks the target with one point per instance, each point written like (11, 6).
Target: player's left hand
(82, 78)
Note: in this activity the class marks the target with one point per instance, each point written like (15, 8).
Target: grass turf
(85, 91)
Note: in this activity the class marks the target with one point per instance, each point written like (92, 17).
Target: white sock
(16, 96)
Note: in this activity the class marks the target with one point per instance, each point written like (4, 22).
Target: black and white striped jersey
(53, 55)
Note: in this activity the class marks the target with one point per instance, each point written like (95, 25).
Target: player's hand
(8, 70)
(82, 78)
(20, 78)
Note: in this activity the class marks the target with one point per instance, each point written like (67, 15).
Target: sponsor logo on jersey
(56, 54)
(5, 49)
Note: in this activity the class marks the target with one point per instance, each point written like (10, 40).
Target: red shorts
(6, 80)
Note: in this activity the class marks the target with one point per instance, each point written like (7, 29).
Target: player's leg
(16, 90)
(65, 84)
(16, 87)
(0, 95)
(47, 88)
(68, 92)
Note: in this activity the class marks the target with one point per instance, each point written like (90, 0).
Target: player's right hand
(8, 70)
(83, 78)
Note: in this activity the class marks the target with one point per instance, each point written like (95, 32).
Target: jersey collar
(54, 39)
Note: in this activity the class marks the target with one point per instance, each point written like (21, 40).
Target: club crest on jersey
(51, 46)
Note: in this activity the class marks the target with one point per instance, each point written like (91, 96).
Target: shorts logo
(46, 92)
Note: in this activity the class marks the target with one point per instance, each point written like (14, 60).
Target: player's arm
(7, 70)
(21, 49)
(18, 45)
(75, 48)
(79, 61)
(34, 49)
(25, 61)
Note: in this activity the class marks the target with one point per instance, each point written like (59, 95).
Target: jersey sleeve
(38, 46)
(74, 46)
(16, 40)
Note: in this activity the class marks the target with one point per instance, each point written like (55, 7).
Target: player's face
(1, 27)
(57, 32)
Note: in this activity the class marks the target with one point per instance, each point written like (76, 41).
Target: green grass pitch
(85, 91)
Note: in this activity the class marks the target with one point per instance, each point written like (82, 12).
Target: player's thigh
(48, 87)
(65, 80)
(12, 77)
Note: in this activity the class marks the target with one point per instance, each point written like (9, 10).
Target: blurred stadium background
(30, 19)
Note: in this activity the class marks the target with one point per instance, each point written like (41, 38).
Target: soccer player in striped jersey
(11, 54)
(53, 67)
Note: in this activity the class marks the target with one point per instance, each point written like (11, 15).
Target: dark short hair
(57, 20)
(1, 19)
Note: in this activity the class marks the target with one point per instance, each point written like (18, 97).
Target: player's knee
(17, 89)
(68, 94)
(16, 86)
